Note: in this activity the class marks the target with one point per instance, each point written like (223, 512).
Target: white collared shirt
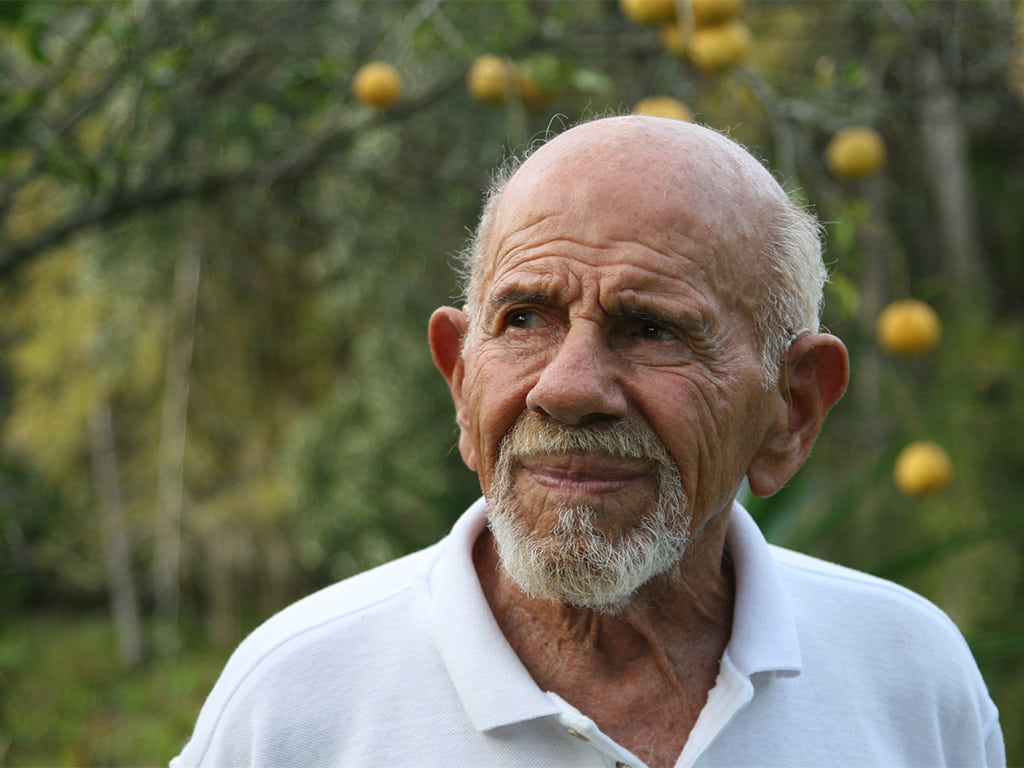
(405, 666)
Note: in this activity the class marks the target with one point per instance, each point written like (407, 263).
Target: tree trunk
(171, 452)
(220, 562)
(945, 151)
(117, 564)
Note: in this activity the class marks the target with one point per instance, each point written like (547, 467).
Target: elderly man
(640, 335)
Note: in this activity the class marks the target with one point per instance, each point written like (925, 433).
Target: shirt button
(577, 734)
(620, 764)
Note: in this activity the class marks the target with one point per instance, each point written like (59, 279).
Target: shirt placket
(580, 727)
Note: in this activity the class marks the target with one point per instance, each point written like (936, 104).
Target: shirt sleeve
(995, 748)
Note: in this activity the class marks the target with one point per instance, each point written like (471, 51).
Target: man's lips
(585, 474)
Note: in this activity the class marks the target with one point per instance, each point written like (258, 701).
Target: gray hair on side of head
(793, 293)
(792, 298)
(472, 256)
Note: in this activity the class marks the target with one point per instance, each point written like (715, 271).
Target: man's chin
(573, 596)
(577, 570)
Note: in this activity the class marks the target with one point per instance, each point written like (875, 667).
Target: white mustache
(532, 435)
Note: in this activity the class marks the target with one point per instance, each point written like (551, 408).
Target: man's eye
(655, 332)
(524, 318)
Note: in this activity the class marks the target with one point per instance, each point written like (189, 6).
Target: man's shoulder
(809, 572)
(888, 649)
(339, 633)
(827, 592)
(334, 616)
(367, 592)
(337, 656)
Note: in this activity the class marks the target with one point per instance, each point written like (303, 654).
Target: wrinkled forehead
(664, 174)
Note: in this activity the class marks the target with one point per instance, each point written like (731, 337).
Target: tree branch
(109, 209)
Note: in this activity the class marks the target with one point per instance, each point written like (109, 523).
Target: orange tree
(245, 256)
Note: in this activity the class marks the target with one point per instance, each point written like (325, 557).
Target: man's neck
(643, 673)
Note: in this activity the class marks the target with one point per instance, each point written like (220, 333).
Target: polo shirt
(404, 665)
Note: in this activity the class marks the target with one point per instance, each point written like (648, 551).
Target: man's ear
(446, 331)
(813, 379)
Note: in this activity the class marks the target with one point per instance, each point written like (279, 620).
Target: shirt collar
(764, 636)
(492, 682)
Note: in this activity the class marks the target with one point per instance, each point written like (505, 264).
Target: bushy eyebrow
(513, 297)
(694, 326)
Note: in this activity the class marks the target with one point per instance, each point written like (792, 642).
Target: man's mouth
(586, 475)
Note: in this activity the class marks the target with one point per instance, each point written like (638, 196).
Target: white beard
(577, 563)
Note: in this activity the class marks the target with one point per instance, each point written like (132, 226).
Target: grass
(64, 701)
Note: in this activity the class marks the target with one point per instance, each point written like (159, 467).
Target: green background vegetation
(216, 269)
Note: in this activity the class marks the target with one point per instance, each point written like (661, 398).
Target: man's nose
(581, 382)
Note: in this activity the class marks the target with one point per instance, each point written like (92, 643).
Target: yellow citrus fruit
(908, 327)
(855, 153)
(377, 84)
(663, 106)
(491, 78)
(648, 11)
(721, 46)
(708, 13)
(921, 468)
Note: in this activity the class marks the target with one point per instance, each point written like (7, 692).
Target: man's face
(610, 303)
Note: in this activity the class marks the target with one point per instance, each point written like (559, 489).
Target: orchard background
(217, 260)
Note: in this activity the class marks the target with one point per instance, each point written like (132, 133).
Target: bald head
(684, 157)
(694, 180)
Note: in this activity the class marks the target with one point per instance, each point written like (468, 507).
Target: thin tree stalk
(124, 602)
(173, 431)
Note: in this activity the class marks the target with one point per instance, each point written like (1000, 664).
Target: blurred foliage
(138, 139)
(88, 712)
